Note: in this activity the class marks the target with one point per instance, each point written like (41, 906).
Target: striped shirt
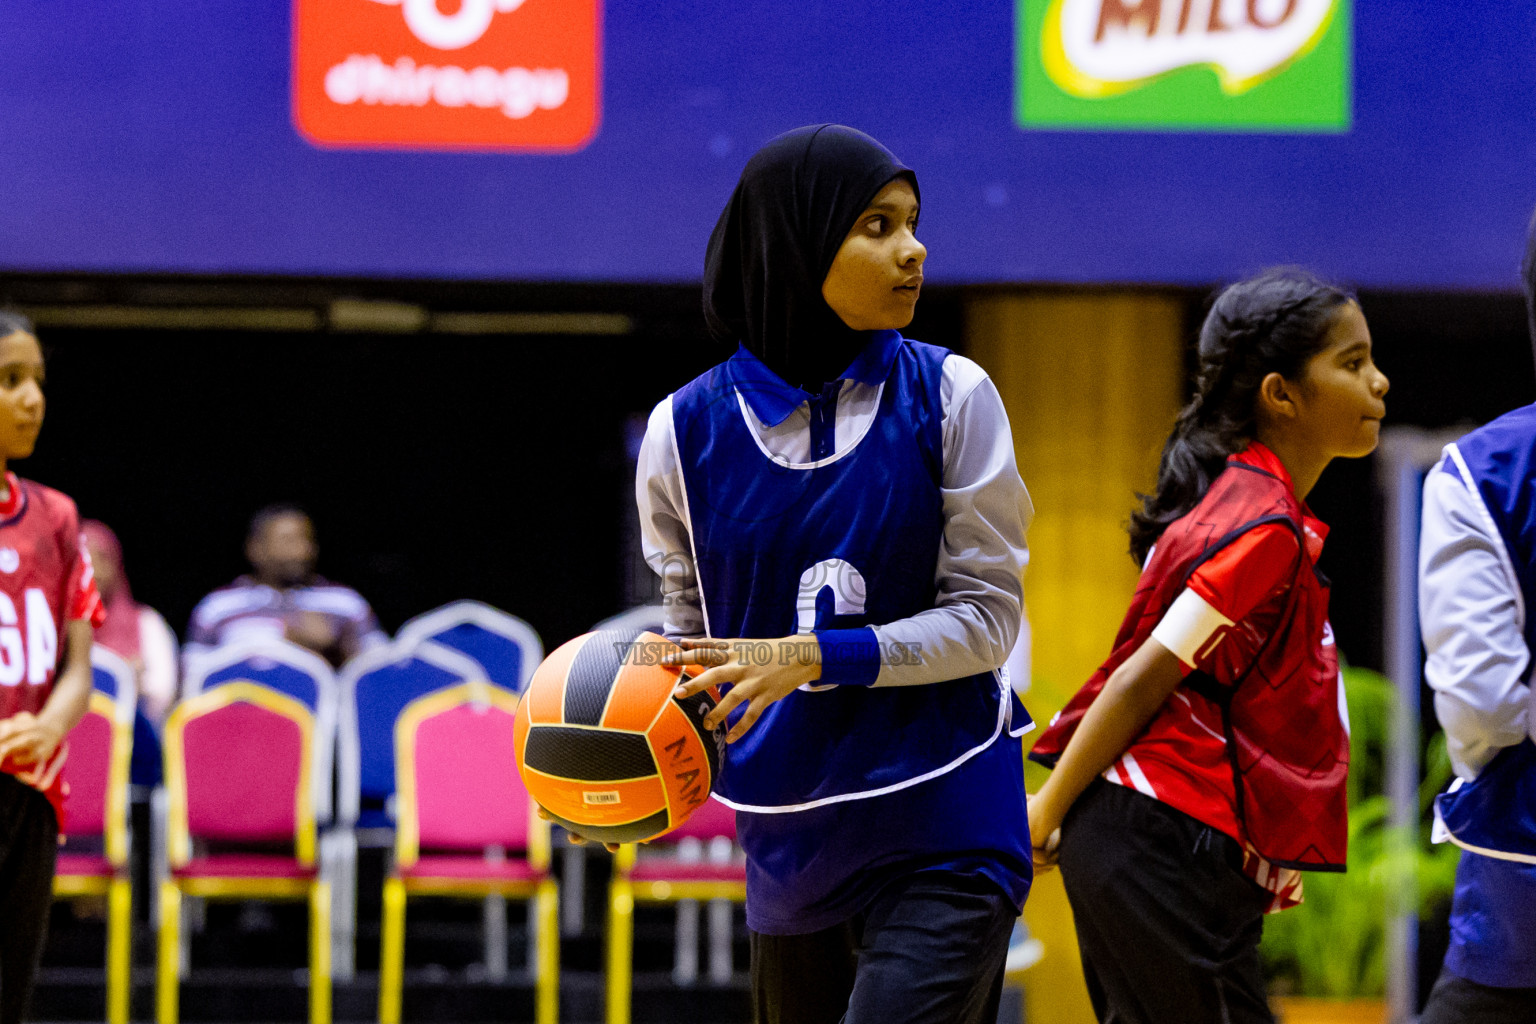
(246, 608)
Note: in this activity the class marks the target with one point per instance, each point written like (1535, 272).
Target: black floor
(242, 973)
(249, 959)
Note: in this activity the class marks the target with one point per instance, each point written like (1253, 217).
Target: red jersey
(1240, 563)
(45, 582)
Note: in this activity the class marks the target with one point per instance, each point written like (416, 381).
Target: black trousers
(1167, 923)
(930, 949)
(29, 841)
(1456, 1000)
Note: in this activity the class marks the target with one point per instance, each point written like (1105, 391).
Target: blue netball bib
(1495, 814)
(842, 542)
(1493, 817)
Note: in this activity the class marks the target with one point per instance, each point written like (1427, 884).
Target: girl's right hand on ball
(759, 672)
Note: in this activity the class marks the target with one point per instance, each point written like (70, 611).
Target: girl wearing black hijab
(839, 525)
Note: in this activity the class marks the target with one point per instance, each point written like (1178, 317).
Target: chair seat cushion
(244, 865)
(471, 867)
(667, 869)
(87, 864)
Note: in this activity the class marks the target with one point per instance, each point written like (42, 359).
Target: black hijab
(775, 241)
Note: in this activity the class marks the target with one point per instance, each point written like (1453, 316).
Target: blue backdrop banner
(1389, 144)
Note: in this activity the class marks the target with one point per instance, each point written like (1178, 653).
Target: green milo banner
(1184, 65)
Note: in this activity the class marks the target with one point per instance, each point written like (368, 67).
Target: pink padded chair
(94, 859)
(241, 765)
(465, 827)
(686, 864)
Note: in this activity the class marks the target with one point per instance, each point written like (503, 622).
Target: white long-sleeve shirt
(1472, 616)
(976, 617)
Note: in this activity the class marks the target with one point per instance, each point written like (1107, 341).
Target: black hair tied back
(1272, 323)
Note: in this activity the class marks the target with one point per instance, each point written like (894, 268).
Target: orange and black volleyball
(605, 748)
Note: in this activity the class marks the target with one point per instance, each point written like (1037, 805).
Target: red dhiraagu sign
(447, 74)
(1197, 64)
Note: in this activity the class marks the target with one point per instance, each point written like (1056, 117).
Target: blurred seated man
(283, 597)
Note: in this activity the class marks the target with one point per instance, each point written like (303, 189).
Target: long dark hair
(1272, 323)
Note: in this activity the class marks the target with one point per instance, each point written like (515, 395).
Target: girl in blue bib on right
(1477, 585)
(838, 521)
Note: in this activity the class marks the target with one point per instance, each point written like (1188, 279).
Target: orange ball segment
(604, 747)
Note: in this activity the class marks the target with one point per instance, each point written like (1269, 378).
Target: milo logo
(1184, 64)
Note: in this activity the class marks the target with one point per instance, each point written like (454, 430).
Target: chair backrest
(711, 820)
(284, 669)
(456, 776)
(100, 751)
(505, 645)
(703, 831)
(240, 766)
(375, 687)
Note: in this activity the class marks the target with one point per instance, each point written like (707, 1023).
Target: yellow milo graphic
(1093, 49)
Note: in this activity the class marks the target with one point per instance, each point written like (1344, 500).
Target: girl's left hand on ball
(575, 839)
(759, 672)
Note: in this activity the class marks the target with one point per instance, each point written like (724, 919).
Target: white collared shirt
(1472, 617)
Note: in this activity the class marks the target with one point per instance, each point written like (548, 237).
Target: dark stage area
(437, 465)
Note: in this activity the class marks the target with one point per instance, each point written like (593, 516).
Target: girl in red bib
(1203, 765)
(48, 604)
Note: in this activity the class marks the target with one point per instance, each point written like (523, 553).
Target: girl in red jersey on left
(48, 607)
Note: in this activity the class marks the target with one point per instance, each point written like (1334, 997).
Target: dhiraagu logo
(1184, 65)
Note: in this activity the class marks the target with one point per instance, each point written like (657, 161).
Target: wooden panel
(1092, 382)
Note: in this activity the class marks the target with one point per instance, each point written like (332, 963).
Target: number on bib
(830, 587)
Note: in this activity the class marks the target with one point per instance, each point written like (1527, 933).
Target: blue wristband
(849, 657)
